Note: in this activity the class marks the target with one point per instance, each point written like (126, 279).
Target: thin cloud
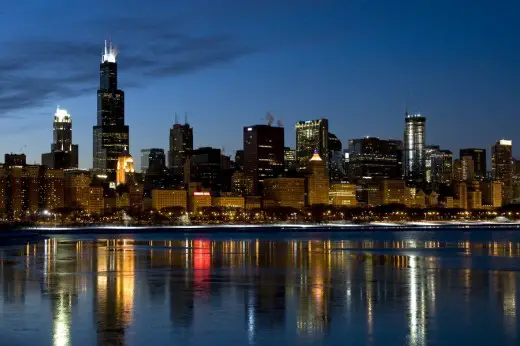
(35, 70)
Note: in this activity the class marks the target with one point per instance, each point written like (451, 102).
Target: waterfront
(413, 287)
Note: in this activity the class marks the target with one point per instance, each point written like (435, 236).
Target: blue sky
(229, 62)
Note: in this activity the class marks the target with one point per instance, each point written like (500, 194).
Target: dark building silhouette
(479, 161)
(239, 159)
(111, 135)
(335, 158)
(206, 166)
(263, 154)
(181, 147)
(152, 160)
(375, 158)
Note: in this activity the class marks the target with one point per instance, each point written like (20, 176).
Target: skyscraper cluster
(264, 173)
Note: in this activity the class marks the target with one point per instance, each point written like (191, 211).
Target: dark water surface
(352, 288)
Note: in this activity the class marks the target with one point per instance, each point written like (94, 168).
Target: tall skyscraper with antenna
(111, 135)
(181, 146)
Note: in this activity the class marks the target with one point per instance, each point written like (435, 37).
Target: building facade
(63, 154)
(414, 145)
(502, 167)
(111, 135)
(371, 157)
(263, 154)
(312, 135)
(180, 148)
(478, 156)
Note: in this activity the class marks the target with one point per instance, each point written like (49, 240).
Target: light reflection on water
(209, 290)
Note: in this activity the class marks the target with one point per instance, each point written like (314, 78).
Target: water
(355, 288)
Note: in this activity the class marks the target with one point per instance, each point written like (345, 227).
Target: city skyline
(466, 73)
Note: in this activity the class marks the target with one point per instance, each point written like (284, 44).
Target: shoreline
(263, 228)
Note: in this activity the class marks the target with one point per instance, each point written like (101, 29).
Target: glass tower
(414, 143)
(111, 135)
(312, 135)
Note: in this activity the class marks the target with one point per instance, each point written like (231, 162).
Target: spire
(176, 120)
(185, 118)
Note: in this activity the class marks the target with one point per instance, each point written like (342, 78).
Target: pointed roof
(316, 156)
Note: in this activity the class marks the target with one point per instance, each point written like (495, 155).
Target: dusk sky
(228, 63)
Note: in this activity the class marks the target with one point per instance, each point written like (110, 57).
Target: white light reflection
(417, 308)
(61, 330)
(251, 318)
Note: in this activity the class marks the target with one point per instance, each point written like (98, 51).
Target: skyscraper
(111, 135)
(502, 167)
(152, 160)
(372, 157)
(181, 148)
(263, 154)
(312, 135)
(479, 161)
(414, 142)
(63, 153)
(317, 187)
(441, 167)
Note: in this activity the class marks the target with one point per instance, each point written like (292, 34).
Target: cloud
(34, 70)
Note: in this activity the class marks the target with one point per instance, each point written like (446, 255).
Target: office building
(284, 192)
(441, 170)
(414, 145)
(263, 154)
(111, 135)
(342, 195)
(64, 154)
(317, 187)
(312, 135)
(289, 159)
(371, 157)
(152, 160)
(502, 167)
(180, 149)
(479, 161)
(206, 164)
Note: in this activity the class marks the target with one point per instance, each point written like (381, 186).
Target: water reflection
(295, 291)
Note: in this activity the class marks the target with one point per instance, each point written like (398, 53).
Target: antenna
(185, 118)
(176, 120)
(270, 118)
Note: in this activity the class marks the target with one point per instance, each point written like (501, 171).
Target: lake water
(292, 288)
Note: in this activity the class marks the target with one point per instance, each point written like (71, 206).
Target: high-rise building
(152, 160)
(502, 167)
(414, 145)
(371, 157)
(263, 154)
(289, 157)
(111, 135)
(206, 166)
(317, 186)
(335, 158)
(312, 135)
(479, 161)
(64, 154)
(441, 167)
(468, 168)
(239, 159)
(181, 147)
